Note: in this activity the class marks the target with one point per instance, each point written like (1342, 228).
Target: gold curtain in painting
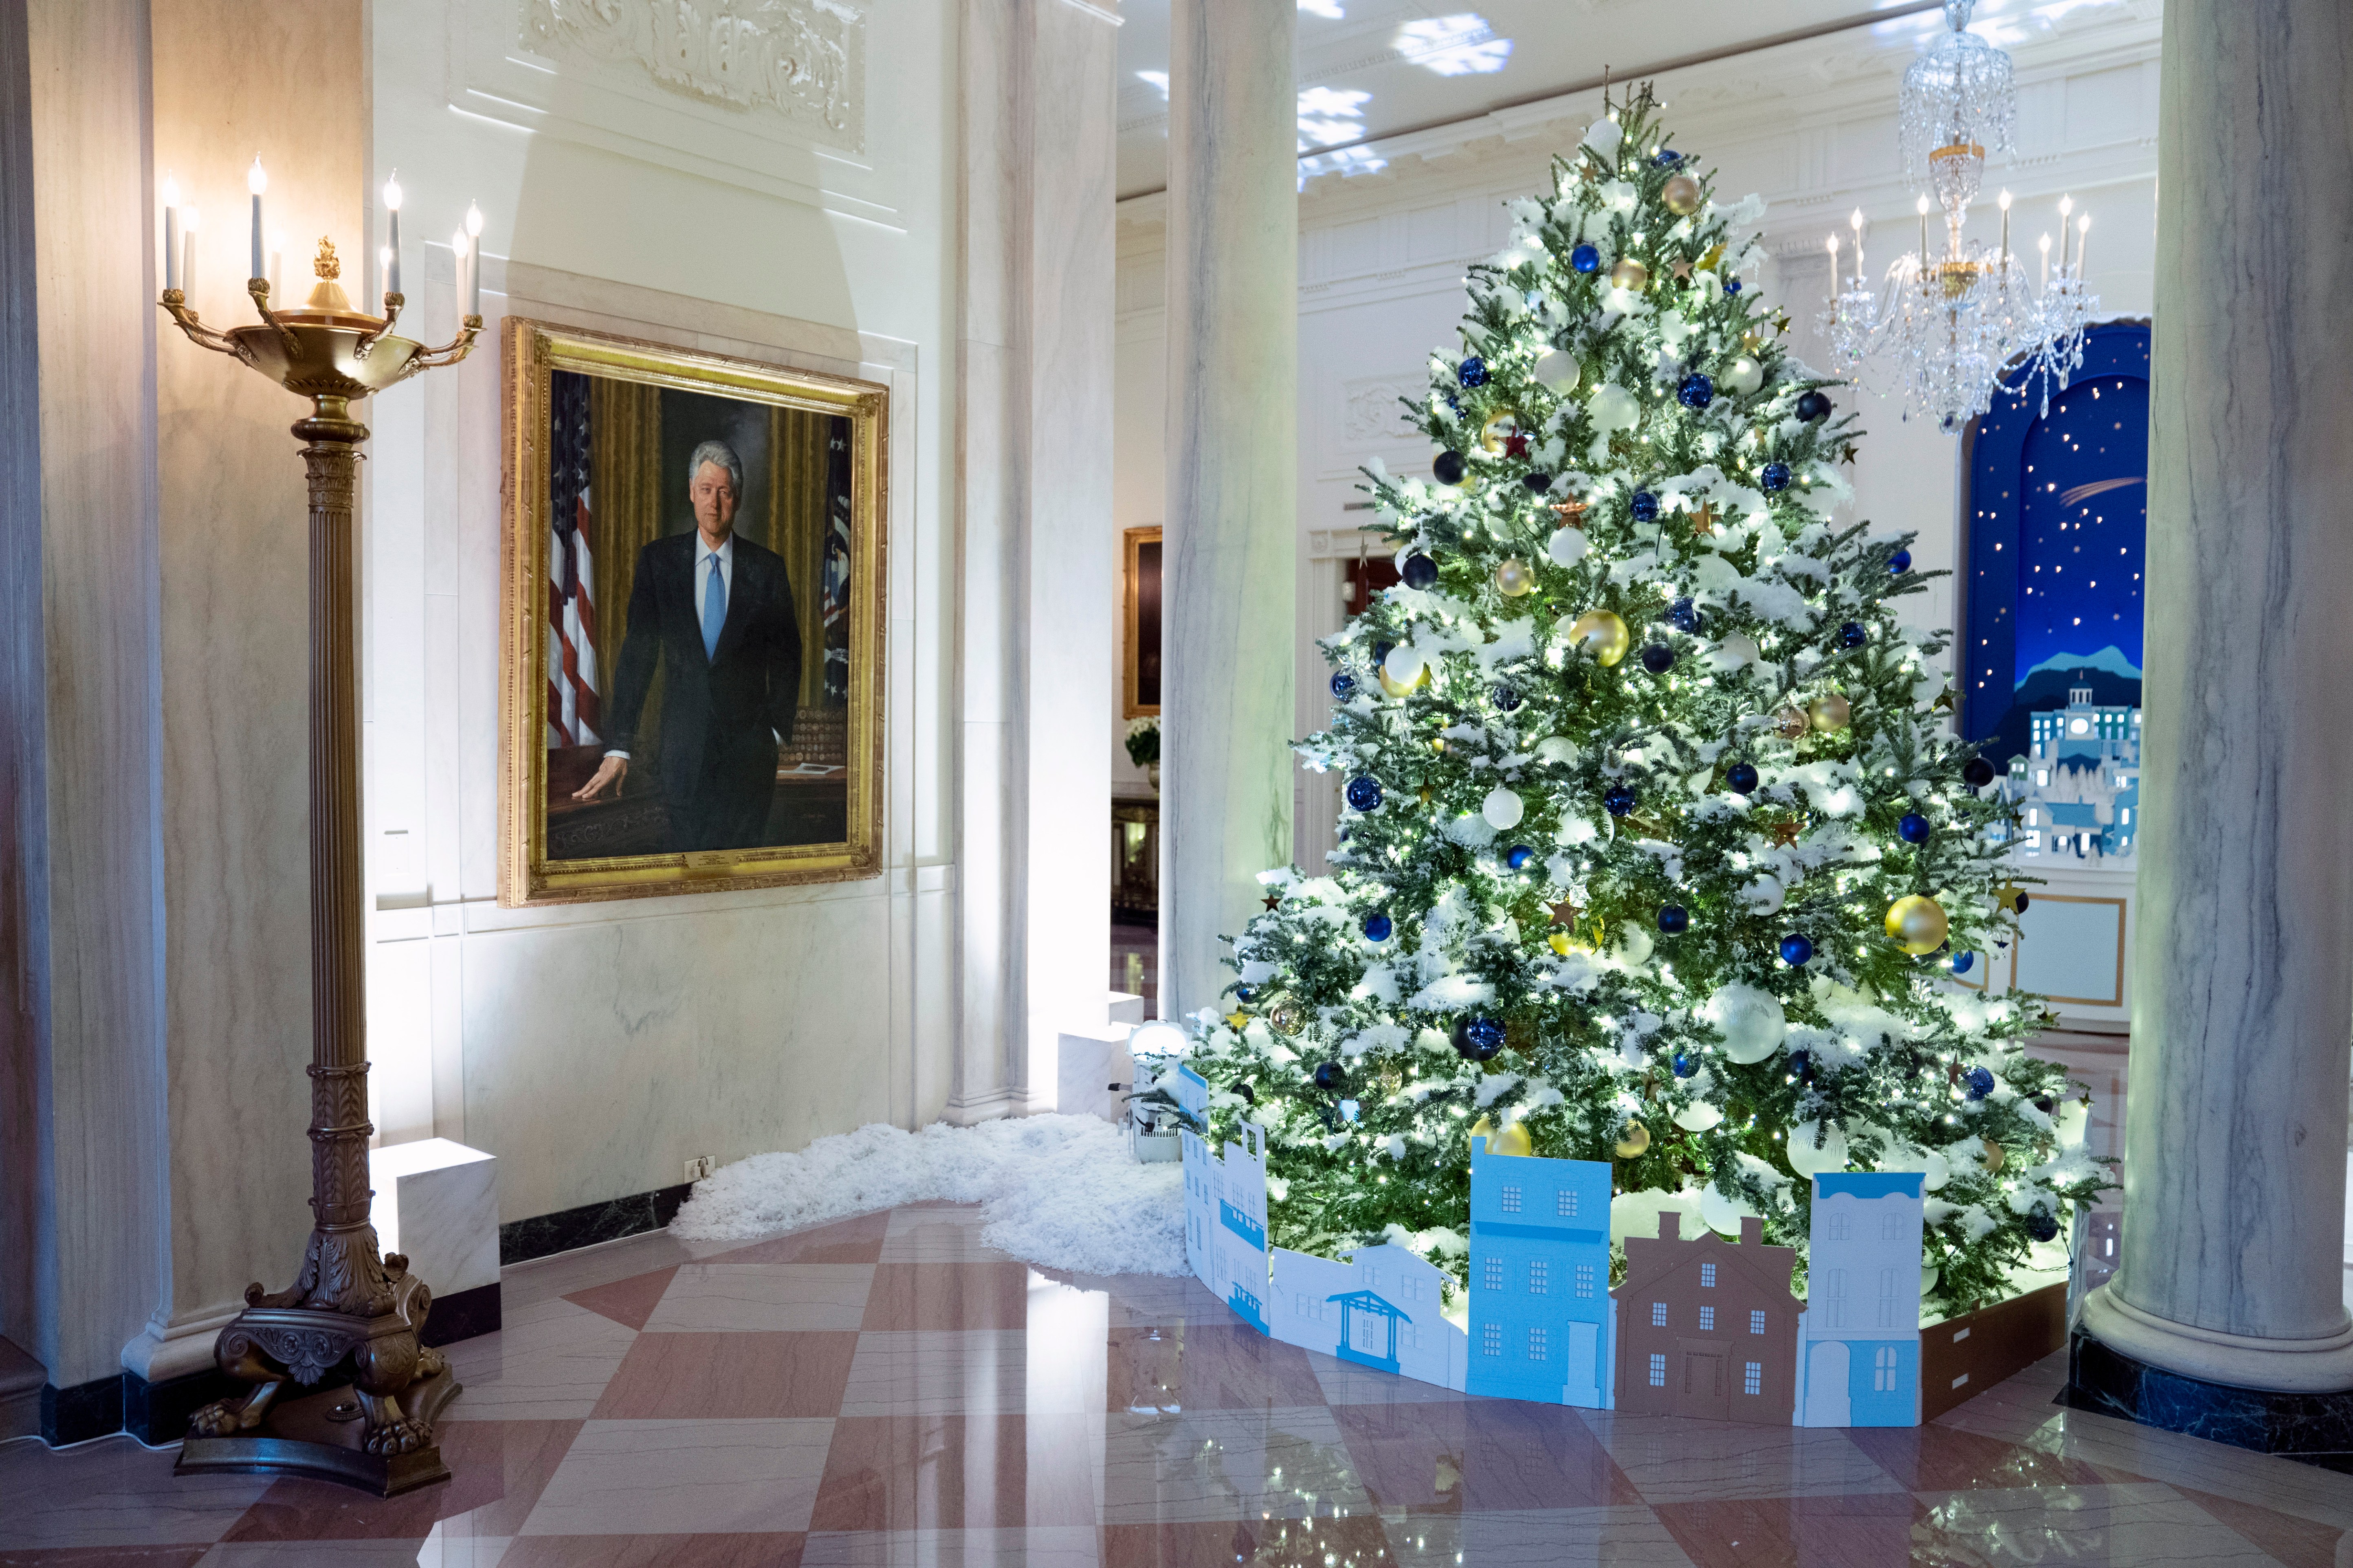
(626, 512)
(796, 524)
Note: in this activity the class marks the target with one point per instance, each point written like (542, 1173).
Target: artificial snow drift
(1060, 1192)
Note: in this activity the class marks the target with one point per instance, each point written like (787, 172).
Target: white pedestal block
(1126, 1007)
(1088, 1062)
(438, 1202)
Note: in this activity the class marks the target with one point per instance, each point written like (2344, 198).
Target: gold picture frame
(609, 410)
(1143, 596)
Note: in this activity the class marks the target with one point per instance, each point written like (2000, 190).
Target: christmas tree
(1655, 849)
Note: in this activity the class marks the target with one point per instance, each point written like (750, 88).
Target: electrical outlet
(699, 1167)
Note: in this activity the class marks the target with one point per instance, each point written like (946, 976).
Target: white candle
(2005, 228)
(384, 263)
(1854, 222)
(2066, 207)
(2046, 261)
(391, 246)
(458, 248)
(2082, 238)
(473, 259)
(188, 250)
(171, 233)
(257, 179)
(276, 263)
(1923, 234)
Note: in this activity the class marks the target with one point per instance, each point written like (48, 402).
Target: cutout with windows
(1491, 1340)
(1752, 1379)
(1539, 1342)
(1707, 1275)
(1565, 1205)
(1539, 1276)
(1584, 1281)
(1511, 1200)
(1658, 1314)
(1757, 1320)
(1883, 1370)
(1707, 1320)
(1658, 1369)
(1494, 1274)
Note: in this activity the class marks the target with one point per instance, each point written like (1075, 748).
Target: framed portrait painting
(1140, 635)
(693, 621)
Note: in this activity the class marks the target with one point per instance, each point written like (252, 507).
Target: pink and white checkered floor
(888, 1391)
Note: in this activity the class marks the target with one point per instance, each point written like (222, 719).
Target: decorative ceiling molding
(802, 60)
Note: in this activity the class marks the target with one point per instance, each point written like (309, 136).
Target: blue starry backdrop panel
(2058, 517)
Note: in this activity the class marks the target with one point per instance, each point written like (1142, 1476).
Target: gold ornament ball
(1636, 1142)
(1631, 274)
(1993, 1157)
(1788, 723)
(1394, 689)
(1560, 942)
(1680, 195)
(1287, 1017)
(1512, 1139)
(1515, 577)
(1601, 635)
(1917, 923)
(1498, 432)
(1829, 712)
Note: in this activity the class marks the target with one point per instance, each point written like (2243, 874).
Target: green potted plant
(1143, 748)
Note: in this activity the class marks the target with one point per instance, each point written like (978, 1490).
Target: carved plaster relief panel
(770, 95)
(801, 59)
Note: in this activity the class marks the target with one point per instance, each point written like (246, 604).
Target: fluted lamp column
(351, 1315)
(1232, 461)
(2226, 1317)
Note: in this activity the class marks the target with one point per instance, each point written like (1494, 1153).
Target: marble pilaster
(1232, 441)
(2243, 1006)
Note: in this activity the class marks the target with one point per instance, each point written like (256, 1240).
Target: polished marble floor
(888, 1391)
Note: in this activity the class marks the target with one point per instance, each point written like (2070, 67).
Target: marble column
(1232, 441)
(2235, 1133)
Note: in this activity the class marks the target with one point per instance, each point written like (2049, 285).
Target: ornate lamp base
(321, 1436)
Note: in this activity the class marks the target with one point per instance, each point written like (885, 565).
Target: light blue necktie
(714, 611)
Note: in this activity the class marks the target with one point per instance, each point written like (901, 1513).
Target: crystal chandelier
(1951, 331)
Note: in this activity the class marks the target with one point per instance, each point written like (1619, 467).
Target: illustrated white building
(1225, 1208)
(2078, 787)
(1382, 1308)
(1859, 1337)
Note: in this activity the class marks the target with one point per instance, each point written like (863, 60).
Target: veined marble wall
(1809, 126)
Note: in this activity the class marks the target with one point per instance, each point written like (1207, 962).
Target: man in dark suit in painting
(715, 614)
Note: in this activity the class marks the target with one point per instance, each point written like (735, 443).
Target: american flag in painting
(571, 714)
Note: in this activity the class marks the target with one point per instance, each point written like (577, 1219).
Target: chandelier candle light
(1952, 330)
(351, 1314)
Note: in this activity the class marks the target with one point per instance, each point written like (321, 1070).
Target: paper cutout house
(1859, 1337)
(1225, 1218)
(1383, 1307)
(1540, 1307)
(1707, 1328)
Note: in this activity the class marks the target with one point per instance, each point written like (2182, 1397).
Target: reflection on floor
(1136, 962)
(885, 1390)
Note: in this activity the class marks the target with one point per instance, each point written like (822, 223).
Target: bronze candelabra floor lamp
(352, 1316)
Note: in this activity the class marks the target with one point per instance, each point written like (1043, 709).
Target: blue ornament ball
(1977, 1083)
(1813, 405)
(1536, 482)
(1620, 800)
(1914, 828)
(1683, 615)
(1364, 793)
(1381, 652)
(1685, 1064)
(1732, 285)
(1741, 778)
(1674, 919)
(1775, 478)
(1801, 1067)
(1797, 952)
(2041, 1226)
(1899, 564)
(1667, 158)
(1977, 773)
(1505, 698)
(1519, 857)
(1448, 468)
(1419, 571)
(1344, 685)
(1477, 1039)
(1696, 391)
(1379, 927)
(1964, 962)
(1471, 372)
(1851, 634)
(1244, 993)
(1585, 258)
(1645, 507)
(1331, 1076)
(1658, 659)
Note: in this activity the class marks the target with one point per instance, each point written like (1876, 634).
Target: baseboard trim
(463, 1316)
(83, 1411)
(567, 1230)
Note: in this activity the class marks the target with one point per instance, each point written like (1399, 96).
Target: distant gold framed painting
(693, 621)
(1140, 637)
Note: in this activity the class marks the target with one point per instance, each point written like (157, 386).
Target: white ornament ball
(1558, 369)
(1613, 408)
(1604, 135)
(1569, 546)
(1634, 943)
(2074, 1116)
(1929, 1275)
(1404, 664)
(1745, 376)
(1939, 1172)
(1557, 749)
(1502, 808)
(1751, 1021)
(1699, 1116)
(1724, 1212)
(1809, 1161)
